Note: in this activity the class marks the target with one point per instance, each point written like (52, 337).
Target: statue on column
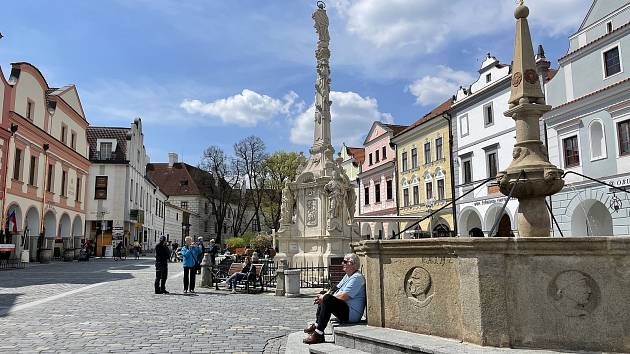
(288, 205)
(336, 189)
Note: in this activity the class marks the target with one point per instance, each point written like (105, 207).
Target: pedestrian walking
(189, 252)
(200, 256)
(162, 255)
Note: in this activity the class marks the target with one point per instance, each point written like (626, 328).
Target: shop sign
(490, 201)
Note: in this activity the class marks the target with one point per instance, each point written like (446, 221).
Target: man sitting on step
(346, 301)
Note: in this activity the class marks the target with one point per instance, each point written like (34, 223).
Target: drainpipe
(395, 186)
(447, 116)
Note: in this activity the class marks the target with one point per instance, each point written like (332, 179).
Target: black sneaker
(165, 292)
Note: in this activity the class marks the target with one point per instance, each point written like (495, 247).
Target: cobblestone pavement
(104, 306)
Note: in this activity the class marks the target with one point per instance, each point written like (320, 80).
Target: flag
(12, 222)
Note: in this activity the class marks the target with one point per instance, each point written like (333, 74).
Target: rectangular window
(30, 109)
(77, 193)
(463, 125)
(440, 189)
(73, 140)
(390, 195)
(50, 178)
(571, 151)
(427, 152)
(17, 165)
(492, 164)
(64, 179)
(414, 158)
(64, 133)
(106, 151)
(404, 161)
(623, 135)
(370, 158)
(377, 193)
(184, 205)
(366, 195)
(206, 207)
(609, 27)
(141, 197)
(612, 64)
(32, 175)
(429, 189)
(467, 171)
(100, 188)
(488, 77)
(439, 154)
(377, 156)
(384, 152)
(488, 114)
(406, 197)
(205, 226)
(131, 191)
(416, 195)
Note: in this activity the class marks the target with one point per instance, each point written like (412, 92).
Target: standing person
(200, 257)
(162, 256)
(213, 250)
(174, 252)
(347, 303)
(189, 255)
(136, 249)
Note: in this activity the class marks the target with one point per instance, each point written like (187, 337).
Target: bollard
(206, 272)
(282, 265)
(292, 282)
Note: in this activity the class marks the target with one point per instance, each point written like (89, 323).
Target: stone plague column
(538, 177)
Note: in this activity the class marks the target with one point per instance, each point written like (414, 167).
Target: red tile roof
(120, 134)
(180, 179)
(396, 128)
(436, 112)
(357, 153)
(550, 74)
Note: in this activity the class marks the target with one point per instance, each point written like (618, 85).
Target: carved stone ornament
(516, 78)
(531, 76)
(311, 212)
(419, 286)
(574, 293)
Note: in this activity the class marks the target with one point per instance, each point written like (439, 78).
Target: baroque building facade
(377, 186)
(47, 164)
(424, 178)
(588, 129)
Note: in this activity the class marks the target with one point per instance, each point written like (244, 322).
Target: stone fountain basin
(554, 293)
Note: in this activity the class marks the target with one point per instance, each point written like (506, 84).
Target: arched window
(597, 139)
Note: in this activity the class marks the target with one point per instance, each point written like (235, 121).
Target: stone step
(385, 340)
(326, 348)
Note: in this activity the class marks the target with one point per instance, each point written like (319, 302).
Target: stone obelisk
(530, 177)
(317, 208)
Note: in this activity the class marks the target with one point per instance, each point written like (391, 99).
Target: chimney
(172, 159)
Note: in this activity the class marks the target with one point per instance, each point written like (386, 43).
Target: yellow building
(423, 164)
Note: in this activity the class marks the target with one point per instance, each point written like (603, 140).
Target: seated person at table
(236, 277)
(347, 303)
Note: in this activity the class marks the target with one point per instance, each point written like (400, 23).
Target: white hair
(354, 258)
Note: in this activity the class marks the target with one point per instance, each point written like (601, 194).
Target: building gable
(71, 97)
(600, 9)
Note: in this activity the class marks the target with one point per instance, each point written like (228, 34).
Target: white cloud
(246, 109)
(433, 89)
(350, 115)
(427, 26)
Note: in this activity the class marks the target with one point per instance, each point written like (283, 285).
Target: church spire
(525, 82)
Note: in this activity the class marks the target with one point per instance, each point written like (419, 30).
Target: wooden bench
(253, 277)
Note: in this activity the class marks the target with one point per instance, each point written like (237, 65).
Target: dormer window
(105, 151)
(609, 27)
(488, 77)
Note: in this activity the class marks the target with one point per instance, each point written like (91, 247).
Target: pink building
(377, 190)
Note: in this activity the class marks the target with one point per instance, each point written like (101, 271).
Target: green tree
(279, 167)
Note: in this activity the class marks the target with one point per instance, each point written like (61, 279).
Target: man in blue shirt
(347, 303)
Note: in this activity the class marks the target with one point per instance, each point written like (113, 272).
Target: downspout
(447, 116)
(395, 147)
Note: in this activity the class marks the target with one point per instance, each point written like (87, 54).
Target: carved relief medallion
(418, 286)
(311, 212)
(516, 78)
(574, 293)
(531, 76)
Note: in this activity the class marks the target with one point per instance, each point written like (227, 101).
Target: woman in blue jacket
(190, 254)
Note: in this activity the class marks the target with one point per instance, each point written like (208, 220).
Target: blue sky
(203, 73)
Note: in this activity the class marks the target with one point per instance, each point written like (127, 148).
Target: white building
(483, 140)
(123, 204)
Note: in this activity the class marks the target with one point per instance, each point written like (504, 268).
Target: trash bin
(292, 282)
